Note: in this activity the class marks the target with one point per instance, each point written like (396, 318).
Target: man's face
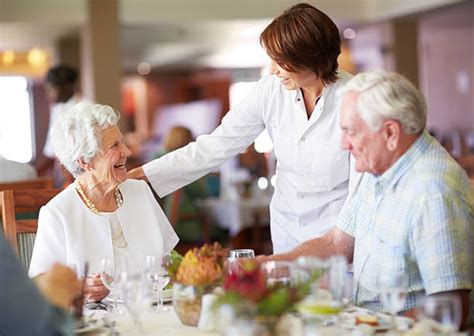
(369, 148)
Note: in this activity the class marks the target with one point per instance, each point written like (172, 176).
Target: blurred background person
(62, 91)
(101, 214)
(29, 310)
(183, 202)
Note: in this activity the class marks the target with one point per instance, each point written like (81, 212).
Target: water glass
(156, 275)
(236, 256)
(241, 253)
(137, 297)
(392, 293)
(444, 309)
(112, 274)
(278, 273)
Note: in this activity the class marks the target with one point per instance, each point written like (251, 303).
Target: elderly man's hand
(59, 285)
(94, 289)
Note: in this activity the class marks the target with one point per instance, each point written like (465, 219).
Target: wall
(446, 58)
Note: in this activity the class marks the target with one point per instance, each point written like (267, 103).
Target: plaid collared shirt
(417, 218)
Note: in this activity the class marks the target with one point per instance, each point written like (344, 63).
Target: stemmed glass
(112, 275)
(156, 274)
(137, 297)
(444, 309)
(278, 273)
(392, 292)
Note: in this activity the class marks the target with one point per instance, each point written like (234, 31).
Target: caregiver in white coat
(101, 214)
(299, 107)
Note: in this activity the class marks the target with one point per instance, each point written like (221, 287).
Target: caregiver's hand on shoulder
(137, 174)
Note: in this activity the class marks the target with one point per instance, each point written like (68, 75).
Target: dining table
(167, 323)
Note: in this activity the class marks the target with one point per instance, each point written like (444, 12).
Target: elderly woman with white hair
(101, 214)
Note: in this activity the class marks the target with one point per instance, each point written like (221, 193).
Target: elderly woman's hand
(94, 289)
(59, 285)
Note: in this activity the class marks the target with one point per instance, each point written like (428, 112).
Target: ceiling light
(36, 57)
(144, 68)
(8, 57)
(349, 33)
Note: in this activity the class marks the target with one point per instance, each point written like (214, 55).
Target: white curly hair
(386, 95)
(76, 134)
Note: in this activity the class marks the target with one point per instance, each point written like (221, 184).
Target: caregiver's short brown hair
(301, 38)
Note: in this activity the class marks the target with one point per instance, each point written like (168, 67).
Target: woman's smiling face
(111, 160)
(293, 80)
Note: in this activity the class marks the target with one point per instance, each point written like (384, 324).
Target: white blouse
(70, 233)
(312, 169)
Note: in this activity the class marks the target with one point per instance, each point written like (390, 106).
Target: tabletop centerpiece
(195, 274)
(249, 289)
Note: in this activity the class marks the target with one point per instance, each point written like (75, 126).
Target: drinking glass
(241, 253)
(314, 269)
(156, 274)
(235, 255)
(278, 273)
(444, 309)
(392, 293)
(112, 275)
(137, 297)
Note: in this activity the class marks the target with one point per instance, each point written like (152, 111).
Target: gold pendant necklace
(91, 206)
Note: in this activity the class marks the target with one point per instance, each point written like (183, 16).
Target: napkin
(207, 321)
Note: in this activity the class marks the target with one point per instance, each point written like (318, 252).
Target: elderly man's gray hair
(388, 96)
(77, 135)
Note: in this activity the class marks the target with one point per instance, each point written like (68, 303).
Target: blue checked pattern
(417, 218)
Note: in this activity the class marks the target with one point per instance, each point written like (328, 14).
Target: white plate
(168, 295)
(348, 321)
(90, 324)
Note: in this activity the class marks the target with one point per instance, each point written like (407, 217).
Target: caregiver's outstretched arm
(335, 242)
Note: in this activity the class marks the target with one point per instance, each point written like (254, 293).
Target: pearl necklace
(91, 206)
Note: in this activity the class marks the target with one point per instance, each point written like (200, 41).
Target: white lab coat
(70, 233)
(312, 169)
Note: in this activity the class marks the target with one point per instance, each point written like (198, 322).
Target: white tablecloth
(236, 215)
(153, 323)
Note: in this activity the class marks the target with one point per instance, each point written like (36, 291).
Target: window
(16, 141)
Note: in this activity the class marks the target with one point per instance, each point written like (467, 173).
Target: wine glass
(137, 297)
(112, 274)
(156, 274)
(278, 273)
(444, 309)
(392, 293)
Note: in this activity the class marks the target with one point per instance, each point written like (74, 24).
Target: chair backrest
(13, 202)
(38, 183)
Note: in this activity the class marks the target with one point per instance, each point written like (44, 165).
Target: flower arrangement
(199, 266)
(195, 274)
(248, 286)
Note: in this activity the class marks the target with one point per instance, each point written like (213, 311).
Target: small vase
(187, 302)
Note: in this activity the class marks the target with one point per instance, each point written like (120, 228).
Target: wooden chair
(14, 202)
(43, 182)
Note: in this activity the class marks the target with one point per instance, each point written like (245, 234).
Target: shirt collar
(398, 169)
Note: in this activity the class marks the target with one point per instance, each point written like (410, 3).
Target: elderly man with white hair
(413, 209)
